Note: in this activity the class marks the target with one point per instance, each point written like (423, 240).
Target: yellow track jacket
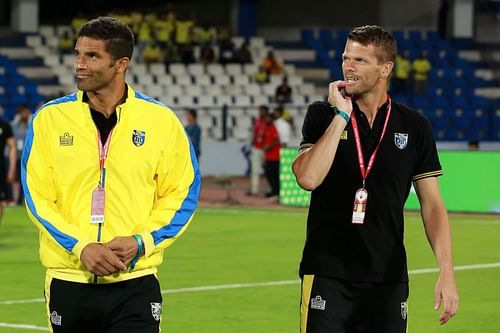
(152, 182)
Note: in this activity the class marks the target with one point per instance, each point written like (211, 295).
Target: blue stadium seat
(415, 36)
(441, 102)
(459, 102)
(421, 102)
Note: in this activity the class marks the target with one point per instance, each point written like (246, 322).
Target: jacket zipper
(103, 181)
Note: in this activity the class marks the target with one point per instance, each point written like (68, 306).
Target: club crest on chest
(138, 137)
(401, 140)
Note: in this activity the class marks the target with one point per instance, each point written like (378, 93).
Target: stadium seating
(32, 70)
(455, 85)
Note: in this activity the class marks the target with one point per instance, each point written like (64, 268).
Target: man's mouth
(351, 79)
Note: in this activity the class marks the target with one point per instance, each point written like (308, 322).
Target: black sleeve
(427, 163)
(318, 117)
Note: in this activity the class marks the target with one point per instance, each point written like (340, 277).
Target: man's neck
(370, 104)
(106, 101)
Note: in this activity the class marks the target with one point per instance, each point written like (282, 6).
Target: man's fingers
(115, 262)
(334, 91)
(437, 300)
(450, 307)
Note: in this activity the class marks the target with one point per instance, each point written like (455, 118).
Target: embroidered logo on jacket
(66, 139)
(138, 137)
(156, 311)
(401, 140)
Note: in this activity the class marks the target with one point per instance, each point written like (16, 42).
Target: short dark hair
(193, 113)
(118, 37)
(378, 37)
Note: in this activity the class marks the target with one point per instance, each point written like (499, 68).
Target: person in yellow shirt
(163, 30)
(144, 37)
(77, 22)
(152, 54)
(402, 74)
(110, 179)
(66, 43)
(183, 31)
(262, 76)
(421, 67)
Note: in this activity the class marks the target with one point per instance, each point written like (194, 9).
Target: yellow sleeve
(178, 189)
(38, 185)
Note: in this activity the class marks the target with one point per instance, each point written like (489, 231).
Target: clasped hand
(108, 258)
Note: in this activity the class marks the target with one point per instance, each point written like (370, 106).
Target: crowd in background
(410, 77)
(170, 37)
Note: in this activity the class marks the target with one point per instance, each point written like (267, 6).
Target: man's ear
(387, 69)
(122, 65)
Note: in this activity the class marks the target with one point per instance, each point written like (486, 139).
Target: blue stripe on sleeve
(147, 98)
(182, 216)
(63, 239)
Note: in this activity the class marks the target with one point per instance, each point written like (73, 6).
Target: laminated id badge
(358, 212)
(97, 211)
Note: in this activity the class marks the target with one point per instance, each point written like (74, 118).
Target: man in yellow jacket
(111, 180)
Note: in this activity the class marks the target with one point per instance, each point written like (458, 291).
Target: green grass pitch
(226, 246)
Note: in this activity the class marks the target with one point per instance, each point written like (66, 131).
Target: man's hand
(100, 260)
(125, 248)
(335, 98)
(446, 294)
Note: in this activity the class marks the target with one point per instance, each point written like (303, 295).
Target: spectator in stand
(66, 43)
(226, 51)
(182, 31)
(19, 126)
(135, 22)
(284, 128)
(163, 30)
(271, 64)
(261, 77)
(272, 156)
(421, 67)
(77, 22)
(285, 113)
(204, 34)
(207, 54)
(402, 75)
(283, 92)
(193, 131)
(257, 161)
(144, 36)
(243, 54)
(152, 54)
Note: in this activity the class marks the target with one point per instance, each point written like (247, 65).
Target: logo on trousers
(55, 318)
(404, 310)
(156, 311)
(318, 303)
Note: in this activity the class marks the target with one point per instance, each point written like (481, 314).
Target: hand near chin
(338, 98)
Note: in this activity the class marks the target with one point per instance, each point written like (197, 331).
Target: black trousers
(132, 306)
(272, 171)
(337, 306)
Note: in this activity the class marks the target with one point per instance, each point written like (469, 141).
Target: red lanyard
(103, 149)
(361, 159)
